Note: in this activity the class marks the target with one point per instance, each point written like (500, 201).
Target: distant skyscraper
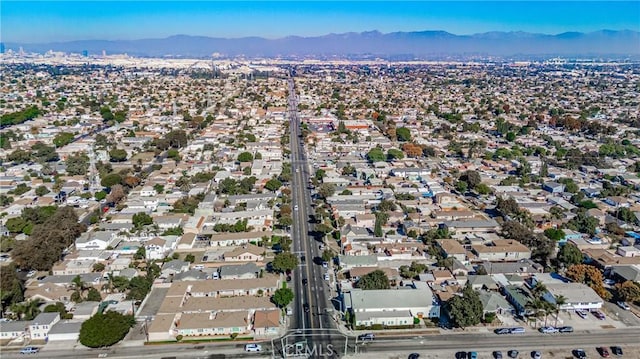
(85, 53)
(104, 53)
(21, 51)
(1, 47)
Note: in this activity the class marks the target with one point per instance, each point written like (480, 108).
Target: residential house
(13, 330)
(97, 240)
(239, 271)
(391, 306)
(41, 325)
(501, 250)
(65, 331)
(246, 253)
(266, 322)
(215, 323)
(452, 248)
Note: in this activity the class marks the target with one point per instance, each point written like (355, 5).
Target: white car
(548, 330)
(253, 348)
(623, 305)
(295, 208)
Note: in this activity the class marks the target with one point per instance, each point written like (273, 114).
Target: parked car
(616, 350)
(414, 356)
(461, 355)
(502, 331)
(367, 336)
(29, 350)
(472, 355)
(579, 353)
(581, 313)
(598, 314)
(623, 305)
(566, 329)
(512, 353)
(609, 281)
(497, 354)
(603, 351)
(516, 330)
(548, 330)
(253, 348)
(536, 354)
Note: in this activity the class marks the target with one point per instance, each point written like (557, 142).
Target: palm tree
(536, 308)
(560, 301)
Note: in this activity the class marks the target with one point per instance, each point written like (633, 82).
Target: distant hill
(421, 44)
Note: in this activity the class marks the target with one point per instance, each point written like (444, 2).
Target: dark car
(579, 353)
(305, 306)
(304, 281)
(566, 329)
(604, 352)
(497, 354)
(303, 258)
(414, 356)
(288, 278)
(616, 350)
(512, 353)
(461, 355)
(502, 331)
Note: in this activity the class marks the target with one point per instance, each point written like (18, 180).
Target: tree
(190, 258)
(461, 186)
(63, 139)
(41, 191)
(11, 288)
(511, 136)
(472, 178)
(117, 155)
(285, 221)
(282, 297)
(111, 180)
(103, 330)
(394, 154)
(141, 253)
(245, 157)
(141, 219)
(98, 267)
(483, 189)
(374, 280)
(327, 254)
(403, 134)
(376, 155)
(77, 165)
(93, 295)
(569, 255)
(116, 194)
(465, 310)
(273, 184)
(628, 291)
(326, 190)
(320, 173)
(284, 261)
(589, 275)
(554, 234)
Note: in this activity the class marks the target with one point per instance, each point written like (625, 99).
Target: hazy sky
(46, 21)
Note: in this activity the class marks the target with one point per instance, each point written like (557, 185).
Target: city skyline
(124, 20)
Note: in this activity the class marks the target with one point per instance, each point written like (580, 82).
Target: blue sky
(46, 21)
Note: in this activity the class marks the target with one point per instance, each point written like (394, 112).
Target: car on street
(497, 354)
(305, 281)
(326, 277)
(29, 350)
(303, 259)
(516, 330)
(579, 353)
(253, 348)
(603, 351)
(536, 354)
(502, 331)
(548, 330)
(305, 306)
(289, 311)
(565, 329)
(623, 305)
(295, 208)
(616, 350)
(512, 353)
(414, 356)
(581, 313)
(366, 336)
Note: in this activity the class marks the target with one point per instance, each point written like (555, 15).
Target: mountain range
(406, 45)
